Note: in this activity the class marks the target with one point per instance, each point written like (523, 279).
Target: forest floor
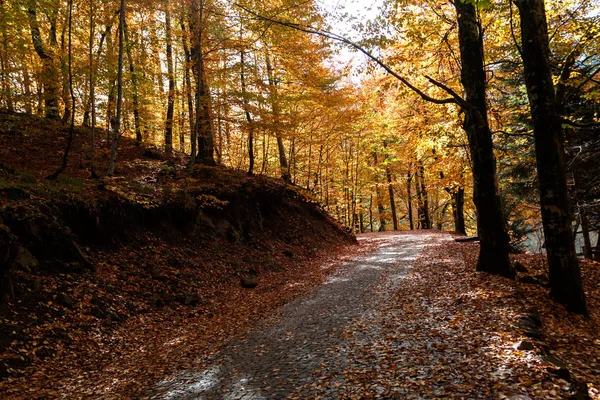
(161, 312)
(410, 319)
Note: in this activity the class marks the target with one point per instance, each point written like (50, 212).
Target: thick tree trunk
(92, 99)
(424, 204)
(458, 210)
(380, 207)
(188, 93)
(171, 95)
(50, 74)
(246, 104)
(392, 201)
(493, 255)
(116, 124)
(5, 65)
(564, 273)
(203, 121)
(274, 98)
(135, 97)
(585, 229)
(409, 196)
(371, 214)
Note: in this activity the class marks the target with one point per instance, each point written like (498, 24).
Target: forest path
(282, 356)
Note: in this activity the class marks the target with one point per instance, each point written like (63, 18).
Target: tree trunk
(585, 229)
(203, 121)
(425, 219)
(5, 65)
(117, 122)
(493, 254)
(171, 95)
(371, 214)
(409, 196)
(188, 93)
(63, 166)
(135, 97)
(458, 210)
(564, 273)
(283, 163)
(380, 208)
(92, 93)
(246, 104)
(392, 202)
(50, 73)
(27, 90)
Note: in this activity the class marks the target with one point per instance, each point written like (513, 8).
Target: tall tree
(493, 253)
(275, 107)
(203, 122)
(116, 127)
(564, 273)
(171, 77)
(47, 53)
(65, 158)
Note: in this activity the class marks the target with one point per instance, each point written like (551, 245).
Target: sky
(362, 10)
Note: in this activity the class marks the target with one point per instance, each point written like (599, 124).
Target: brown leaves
(447, 331)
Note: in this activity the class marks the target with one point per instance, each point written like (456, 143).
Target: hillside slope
(106, 280)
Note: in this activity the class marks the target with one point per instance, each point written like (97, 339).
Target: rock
(175, 262)
(534, 315)
(249, 282)
(288, 253)
(579, 391)
(66, 300)
(519, 267)
(158, 301)
(222, 226)
(99, 312)
(191, 299)
(25, 260)
(525, 322)
(528, 279)
(558, 367)
(272, 265)
(37, 285)
(207, 221)
(529, 326)
(524, 345)
(152, 153)
(467, 239)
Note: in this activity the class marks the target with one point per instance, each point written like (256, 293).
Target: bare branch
(455, 99)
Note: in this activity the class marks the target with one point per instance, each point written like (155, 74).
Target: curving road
(275, 360)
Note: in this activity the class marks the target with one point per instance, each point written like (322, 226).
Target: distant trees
(238, 87)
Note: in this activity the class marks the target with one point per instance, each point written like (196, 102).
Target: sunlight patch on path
(277, 358)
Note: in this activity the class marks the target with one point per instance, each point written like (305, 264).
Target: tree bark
(274, 99)
(246, 104)
(116, 124)
(424, 204)
(392, 201)
(203, 121)
(380, 208)
(493, 254)
(5, 65)
(135, 97)
(92, 78)
(409, 196)
(188, 92)
(564, 273)
(458, 210)
(171, 95)
(50, 73)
